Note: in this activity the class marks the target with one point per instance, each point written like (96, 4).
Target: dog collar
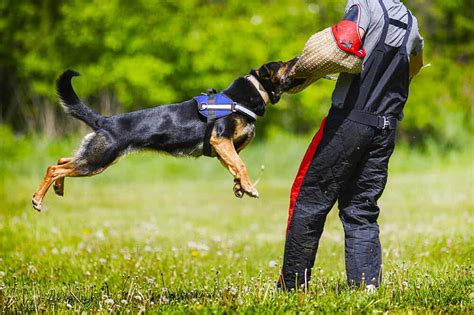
(261, 90)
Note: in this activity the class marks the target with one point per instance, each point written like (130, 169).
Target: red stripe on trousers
(308, 157)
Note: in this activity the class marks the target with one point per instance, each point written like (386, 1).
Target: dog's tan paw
(253, 193)
(36, 203)
(250, 190)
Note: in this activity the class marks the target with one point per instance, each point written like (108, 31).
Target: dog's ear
(263, 72)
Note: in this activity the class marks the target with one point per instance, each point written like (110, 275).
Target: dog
(177, 129)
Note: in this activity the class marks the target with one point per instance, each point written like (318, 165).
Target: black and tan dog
(177, 129)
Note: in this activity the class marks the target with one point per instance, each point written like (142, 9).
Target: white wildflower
(150, 280)
(272, 264)
(198, 246)
(32, 269)
(256, 20)
(100, 235)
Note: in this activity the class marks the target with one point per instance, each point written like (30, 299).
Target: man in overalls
(347, 160)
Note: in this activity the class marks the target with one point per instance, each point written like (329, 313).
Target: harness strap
(234, 107)
(398, 23)
(211, 120)
(386, 19)
(408, 29)
(369, 119)
(214, 106)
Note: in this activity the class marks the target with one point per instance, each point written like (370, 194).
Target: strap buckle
(202, 106)
(383, 122)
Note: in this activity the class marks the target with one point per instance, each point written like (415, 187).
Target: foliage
(136, 54)
(161, 234)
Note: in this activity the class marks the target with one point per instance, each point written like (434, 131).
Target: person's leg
(325, 167)
(359, 212)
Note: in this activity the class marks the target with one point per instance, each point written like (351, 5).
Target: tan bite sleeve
(320, 57)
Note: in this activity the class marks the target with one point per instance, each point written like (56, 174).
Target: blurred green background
(136, 54)
(148, 234)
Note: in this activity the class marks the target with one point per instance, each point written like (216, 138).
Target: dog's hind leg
(59, 183)
(96, 153)
(53, 173)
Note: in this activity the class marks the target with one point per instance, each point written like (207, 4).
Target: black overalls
(347, 162)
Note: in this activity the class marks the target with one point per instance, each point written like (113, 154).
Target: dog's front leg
(231, 160)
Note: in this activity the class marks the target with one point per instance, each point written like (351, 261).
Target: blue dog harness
(221, 104)
(214, 106)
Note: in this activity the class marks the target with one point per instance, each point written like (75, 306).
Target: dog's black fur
(177, 129)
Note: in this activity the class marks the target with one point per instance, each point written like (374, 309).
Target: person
(347, 160)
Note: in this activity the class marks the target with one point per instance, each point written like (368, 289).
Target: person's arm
(416, 63)
(416, 53)
(358, 12)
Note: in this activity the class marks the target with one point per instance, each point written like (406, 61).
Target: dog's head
(274, 76)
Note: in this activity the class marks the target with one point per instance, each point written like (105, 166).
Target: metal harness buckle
(202, 106)
(385, 122)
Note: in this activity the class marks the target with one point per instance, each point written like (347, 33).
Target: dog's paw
(252, 193)
(250, 190)
(241, 189)
(58, 189)
(238, 191)
(36, 203)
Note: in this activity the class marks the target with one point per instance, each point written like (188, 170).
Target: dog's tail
(73, 105)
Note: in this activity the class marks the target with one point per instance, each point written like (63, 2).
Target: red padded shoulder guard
(347, 37)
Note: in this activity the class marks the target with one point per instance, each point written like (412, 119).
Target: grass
(159, 234)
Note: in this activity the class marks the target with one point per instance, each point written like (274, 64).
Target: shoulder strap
(386, 19)
(211, 119)
(407, 34)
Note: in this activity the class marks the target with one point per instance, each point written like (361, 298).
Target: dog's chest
(244, 135)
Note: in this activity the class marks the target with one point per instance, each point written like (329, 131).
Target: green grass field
(155, 233)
